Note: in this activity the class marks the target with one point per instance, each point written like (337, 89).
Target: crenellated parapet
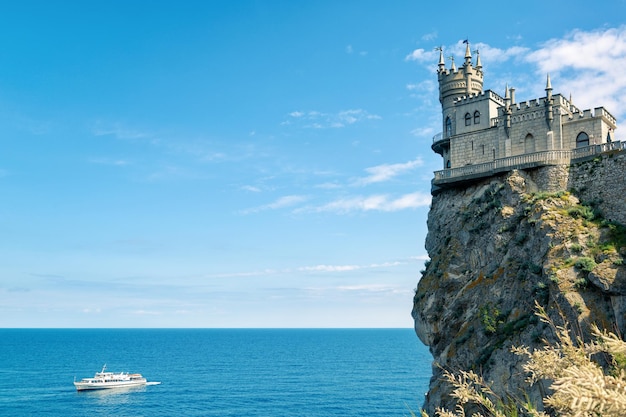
(479, 96)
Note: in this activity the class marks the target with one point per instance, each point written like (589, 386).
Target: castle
(484, 133)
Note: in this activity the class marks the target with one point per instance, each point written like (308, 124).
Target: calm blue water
(216, 372)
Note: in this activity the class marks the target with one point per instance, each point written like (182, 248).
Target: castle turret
(454, 84)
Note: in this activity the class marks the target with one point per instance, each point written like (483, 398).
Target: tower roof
(548, 83)
(479, 64)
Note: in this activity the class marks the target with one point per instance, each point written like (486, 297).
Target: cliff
(551, 235)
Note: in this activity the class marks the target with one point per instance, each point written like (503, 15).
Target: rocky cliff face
(499, 246)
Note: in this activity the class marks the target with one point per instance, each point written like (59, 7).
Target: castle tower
(454, 84)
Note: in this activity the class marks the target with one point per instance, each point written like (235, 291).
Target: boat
(105, 380)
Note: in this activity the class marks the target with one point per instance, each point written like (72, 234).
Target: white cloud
(282, 202)
(379, 202)
(286, 201)
(347, 268)
(147, 313)
(328, 186)
(319, 120)
(367, 288)
(120, 132)
(350, 50)
(429, 37)
(251, 188)
(386, 172)
(490, 55)
(329, 268)
(589, 65)
(420, 55)
(423, 131)
(109, 161)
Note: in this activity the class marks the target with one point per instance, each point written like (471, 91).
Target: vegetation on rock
(576, 384)
(496, 249)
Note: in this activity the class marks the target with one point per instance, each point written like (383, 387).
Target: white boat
(104, 380)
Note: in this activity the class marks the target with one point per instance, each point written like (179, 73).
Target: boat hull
(85, 386)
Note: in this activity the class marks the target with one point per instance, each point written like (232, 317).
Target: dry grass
(580, 387)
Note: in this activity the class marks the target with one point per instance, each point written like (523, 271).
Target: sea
(215, 372)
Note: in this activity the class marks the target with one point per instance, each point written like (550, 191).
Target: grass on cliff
(578, 385)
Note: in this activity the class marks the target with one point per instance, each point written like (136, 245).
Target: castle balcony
(440, 143)
(468, 173)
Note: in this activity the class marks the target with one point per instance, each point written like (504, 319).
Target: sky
(249, 163)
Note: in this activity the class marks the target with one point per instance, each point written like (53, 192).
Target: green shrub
(581, 283)
(489, 317)
(585, 264)
(575, 247)
(581, 212)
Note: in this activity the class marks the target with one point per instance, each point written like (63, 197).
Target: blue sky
(248, 163)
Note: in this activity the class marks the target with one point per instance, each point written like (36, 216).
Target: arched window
(476, 117)
(529, 143)
(448, 127)
(582, 140)
(468, 119)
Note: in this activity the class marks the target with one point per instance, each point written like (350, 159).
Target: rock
(609, 278)
(497, 247)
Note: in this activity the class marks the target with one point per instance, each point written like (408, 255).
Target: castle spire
(442, 62)
(549, 103)
(548, 88)
(452, 66)
(479, 64)
(507, 110)
(468, 53)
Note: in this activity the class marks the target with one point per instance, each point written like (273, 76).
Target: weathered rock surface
(496, 248)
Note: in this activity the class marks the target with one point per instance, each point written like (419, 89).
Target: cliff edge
(551, 235)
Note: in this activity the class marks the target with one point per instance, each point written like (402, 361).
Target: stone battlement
(480, 96)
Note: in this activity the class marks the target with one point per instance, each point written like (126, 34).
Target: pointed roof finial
(468, 53)
(442, 62)
(479, 64)
(548, 83)
(506, 91)
(452, 67)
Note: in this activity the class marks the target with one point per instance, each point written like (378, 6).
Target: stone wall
(602, 182)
